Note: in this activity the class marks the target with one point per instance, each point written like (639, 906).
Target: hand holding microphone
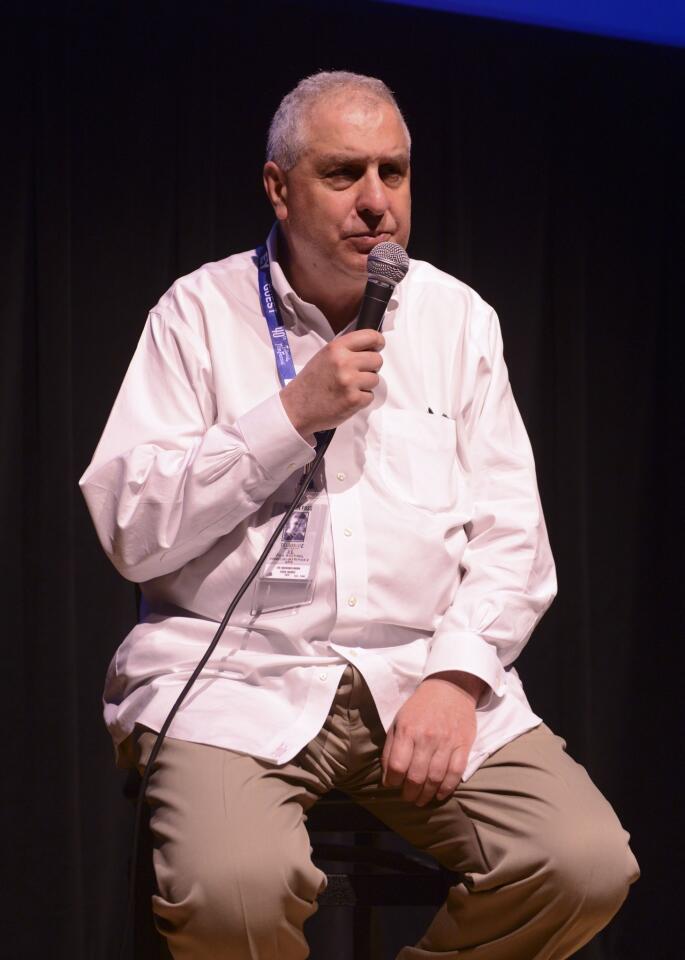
(337, 382)
(340, 379)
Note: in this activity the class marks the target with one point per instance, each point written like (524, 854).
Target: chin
(356, 268)
(348, 259)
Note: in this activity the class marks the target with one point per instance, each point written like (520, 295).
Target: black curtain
(547, 174)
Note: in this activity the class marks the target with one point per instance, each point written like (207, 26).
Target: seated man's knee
(590, 866)
(219, 909)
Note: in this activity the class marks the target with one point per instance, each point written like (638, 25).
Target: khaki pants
(546, 862)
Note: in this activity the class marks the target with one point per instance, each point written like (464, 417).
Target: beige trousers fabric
(545, 860)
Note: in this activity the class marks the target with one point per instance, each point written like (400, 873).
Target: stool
(363, 875)
(360, 875)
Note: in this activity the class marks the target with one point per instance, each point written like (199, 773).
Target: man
(379, 658)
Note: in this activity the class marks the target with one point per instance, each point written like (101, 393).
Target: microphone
(387, 264)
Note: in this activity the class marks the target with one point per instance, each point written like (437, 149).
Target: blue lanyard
(277, 332)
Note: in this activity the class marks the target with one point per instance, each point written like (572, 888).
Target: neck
(338, 301)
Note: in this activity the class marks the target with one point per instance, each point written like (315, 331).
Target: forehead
(354, 124)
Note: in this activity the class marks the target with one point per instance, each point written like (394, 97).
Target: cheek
(341, 212)
(402, 206)
(402, 213)
(327, 215)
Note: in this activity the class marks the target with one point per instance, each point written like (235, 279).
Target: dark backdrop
(547, 174)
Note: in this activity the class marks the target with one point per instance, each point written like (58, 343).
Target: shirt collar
(295, 308)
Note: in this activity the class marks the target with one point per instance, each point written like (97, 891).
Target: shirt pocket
(418, 459)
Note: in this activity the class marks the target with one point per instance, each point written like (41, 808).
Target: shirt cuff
(471, 654)
(272, 439)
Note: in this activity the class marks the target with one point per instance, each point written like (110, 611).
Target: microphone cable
(387, 265)
(324, 438)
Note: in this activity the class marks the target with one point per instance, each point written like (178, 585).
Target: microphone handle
(374, 304)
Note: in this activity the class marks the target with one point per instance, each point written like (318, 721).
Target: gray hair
(287, 132)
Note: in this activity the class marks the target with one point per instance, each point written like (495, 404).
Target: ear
(276, 186)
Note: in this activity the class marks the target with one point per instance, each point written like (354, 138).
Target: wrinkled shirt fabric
(435, 555)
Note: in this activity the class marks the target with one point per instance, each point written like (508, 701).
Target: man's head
(337, 174)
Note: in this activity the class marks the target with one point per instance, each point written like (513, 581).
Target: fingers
(425, 786)
(336, 382)
(397, 754)
(427, 747)
(367, 381)
(345, 362)
(417, 769)
(423, 772)
(361, 353)
(362, 340)
(455, 771)
(369, 360)
(359, 375)
(422, 780)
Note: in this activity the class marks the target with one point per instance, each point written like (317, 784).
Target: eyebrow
(341, 159)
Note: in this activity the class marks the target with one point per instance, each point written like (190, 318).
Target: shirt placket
(348, 536)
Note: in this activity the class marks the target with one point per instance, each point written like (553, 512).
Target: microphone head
(387, 262)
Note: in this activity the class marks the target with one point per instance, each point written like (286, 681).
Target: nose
(372, 197)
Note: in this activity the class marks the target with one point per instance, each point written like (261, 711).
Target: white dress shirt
(435, 556)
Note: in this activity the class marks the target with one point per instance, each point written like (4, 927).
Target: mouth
(365, 242)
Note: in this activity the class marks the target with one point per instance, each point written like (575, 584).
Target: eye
(392, 174)
(342, 175)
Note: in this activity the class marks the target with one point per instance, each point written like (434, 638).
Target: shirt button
(323, 676)
(348, 532)
(291, 466)
(351, 601)
(340, 475)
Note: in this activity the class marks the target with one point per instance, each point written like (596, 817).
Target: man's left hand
(428, 744)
